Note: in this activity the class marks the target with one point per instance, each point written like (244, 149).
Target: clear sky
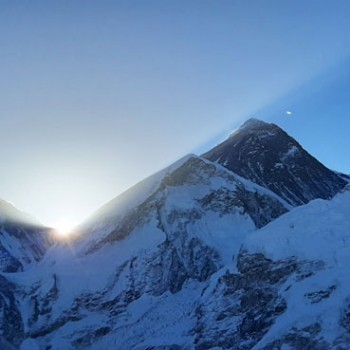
(96, 95)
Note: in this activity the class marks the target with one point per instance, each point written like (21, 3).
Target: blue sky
(96, 95)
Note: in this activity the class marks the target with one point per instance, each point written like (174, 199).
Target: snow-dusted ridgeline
(195, 257)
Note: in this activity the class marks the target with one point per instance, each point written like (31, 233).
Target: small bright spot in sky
(288, 112)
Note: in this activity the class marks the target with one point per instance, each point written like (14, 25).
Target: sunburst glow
(64, 228)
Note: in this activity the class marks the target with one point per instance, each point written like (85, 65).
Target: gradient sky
(96, 95)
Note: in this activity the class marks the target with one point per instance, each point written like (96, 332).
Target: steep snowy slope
(287, 288)
(318, 305)
(198, 277)
(158, 243)
(188, 184)
(23, 240)
(267, 155)
(196, 257)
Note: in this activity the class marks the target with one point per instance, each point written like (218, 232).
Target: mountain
(268, 156)
(23, 243)
(174, 229)
(23, 240)
(186, 189)
(290, 286)
(193, 257)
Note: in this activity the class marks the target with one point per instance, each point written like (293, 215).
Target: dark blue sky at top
(320, 118)
(96, 95)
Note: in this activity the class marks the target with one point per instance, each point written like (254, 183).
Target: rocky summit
(243, 248)
(268, 156)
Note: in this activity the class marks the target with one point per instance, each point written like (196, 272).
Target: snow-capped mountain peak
(267, 155)
(213, 252)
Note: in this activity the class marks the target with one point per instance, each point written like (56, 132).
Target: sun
(63, 228)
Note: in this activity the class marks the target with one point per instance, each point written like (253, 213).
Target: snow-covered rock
(267, 155)
(23, 240)
(194, 257)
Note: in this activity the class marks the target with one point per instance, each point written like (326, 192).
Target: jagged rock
(11, 325)
(258, 206)
(244, 305)
(233, 196)
(7, 262)
(180, 261)
(316, 297)
(90, 337)
(307, 338)
(22, 244)
(268, 156)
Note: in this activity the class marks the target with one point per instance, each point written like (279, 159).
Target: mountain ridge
(267, 155)
(194, 257)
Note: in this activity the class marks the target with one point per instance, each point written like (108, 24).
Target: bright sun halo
(64, 228)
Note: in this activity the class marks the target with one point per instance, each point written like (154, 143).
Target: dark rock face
(244, 305)
(305, 338)
(345, 321)
(261, 208)
(32, 241)
(89, 338)
(42, 305)
(316, 297)
(23, 240)
(11, 325)
(268, 156)
(7, 262)
(183, 259)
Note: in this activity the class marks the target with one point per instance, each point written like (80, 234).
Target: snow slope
(286, 288)
(193, 257)
(23, 240)
(157, 245)
(319, 232)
